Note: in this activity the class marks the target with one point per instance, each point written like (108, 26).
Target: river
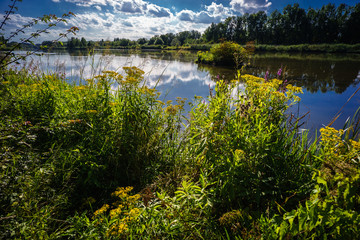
(328, 80)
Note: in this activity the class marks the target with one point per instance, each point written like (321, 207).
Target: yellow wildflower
(116, 212)
(355, 145)
(172, 110)
(294, 89)
(91, 111)
(80, 87)
(161, 102)
(113, 103)
(103, 209)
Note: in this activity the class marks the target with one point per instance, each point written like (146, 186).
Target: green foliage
(158, 216)
(236, 167)
(80, 141)
(226, 53)
(332, 210)
(330, 48)
(294, 25)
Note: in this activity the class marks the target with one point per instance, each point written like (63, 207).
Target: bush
(226, 53)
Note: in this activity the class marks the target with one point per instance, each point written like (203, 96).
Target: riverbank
(83, 161)
(305, 48)
(310, 48)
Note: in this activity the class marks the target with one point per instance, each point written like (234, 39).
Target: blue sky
(133, 19)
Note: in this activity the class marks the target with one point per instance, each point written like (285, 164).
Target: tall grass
(235, 166)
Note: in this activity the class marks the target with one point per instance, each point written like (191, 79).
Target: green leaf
(320, 180)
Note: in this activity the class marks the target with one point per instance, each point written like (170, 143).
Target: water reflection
(328, 80)
(320, 72)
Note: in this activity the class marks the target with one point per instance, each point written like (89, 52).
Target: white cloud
(212, 13)
(158, 11)
(129, 6)
(217, 9)
(125, 6)
(134, 19)
(249, 5)
(16, 20)
(186, 15)
(85, 3)
(204, 17)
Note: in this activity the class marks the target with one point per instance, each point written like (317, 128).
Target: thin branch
(6, 17)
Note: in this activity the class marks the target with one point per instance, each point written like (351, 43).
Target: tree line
(294, 25)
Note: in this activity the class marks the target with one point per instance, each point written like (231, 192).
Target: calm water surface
(328, 80)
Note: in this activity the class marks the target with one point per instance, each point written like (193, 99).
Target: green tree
(83, 42)
(175, 42)
(275, 28)
(142, 41)
(159, 41)
(257, 26)
(296, 25)
(352, 26)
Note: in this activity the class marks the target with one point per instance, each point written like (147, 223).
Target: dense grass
(234, 167)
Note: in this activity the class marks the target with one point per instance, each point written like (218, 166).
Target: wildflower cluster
(338, 153)
(331, 141)
(122, 213)
(174, 109)
(134, 75)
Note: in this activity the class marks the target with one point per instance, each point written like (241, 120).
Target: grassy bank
(85, 162)
(315, 48)
(305, 48)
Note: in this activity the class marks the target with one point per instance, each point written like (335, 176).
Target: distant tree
(90, 44)
(352, 26)
(142, 41)
(124, 42)
(295, 24)
(83, 42)
(175, 42)
(153, 39)
(159, 41)
(257, 27)
(275, 28)
(210, 34)
(168, 38)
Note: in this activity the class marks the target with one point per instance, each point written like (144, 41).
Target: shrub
(226, 53)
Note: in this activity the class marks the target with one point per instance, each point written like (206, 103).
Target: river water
(328, 80)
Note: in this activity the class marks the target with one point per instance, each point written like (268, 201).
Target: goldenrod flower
(80, 88)
(113, 103)
(91, 111)
(161, 102)
(172, 110)
(103, 209)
